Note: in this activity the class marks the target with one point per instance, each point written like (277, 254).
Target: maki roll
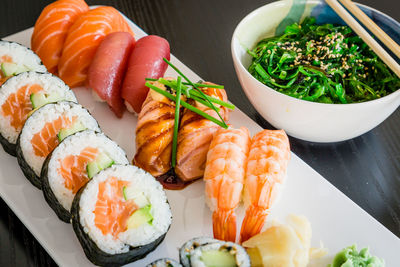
(189, 246)
(120, 215)
(16, 58)
(72, 163)
(164, 263)
(203, 252)
(44, 129)
(21, 94)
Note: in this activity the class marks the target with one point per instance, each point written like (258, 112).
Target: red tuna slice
(108, 68)
(146, 61)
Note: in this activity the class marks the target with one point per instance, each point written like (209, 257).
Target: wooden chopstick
(364, 35)
(370, 24)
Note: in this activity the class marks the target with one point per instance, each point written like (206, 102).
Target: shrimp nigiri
(83, 39)
(195, 135)
(224, 177)
(51, 30)
(266, 169)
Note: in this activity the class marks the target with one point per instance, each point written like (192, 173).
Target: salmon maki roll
(154, 133)
(44, 130)
(72, 163)
(15, 59)
(20, 95)
(120, 215)
(195, 135)
(51, 30)
(83, 39)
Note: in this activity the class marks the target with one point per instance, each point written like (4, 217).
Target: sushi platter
(336, 221)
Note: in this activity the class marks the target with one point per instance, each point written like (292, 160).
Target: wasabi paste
(350, 257)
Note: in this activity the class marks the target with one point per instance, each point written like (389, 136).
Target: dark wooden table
(366, 169)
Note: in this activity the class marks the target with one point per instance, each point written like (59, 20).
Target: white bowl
(302, 119)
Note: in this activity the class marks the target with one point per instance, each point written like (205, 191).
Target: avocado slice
(102, 162)
(137, 196)
(65, 132)
(218, 258)
(140, 217)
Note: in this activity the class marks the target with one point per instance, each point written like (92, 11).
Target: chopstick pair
(364, 35)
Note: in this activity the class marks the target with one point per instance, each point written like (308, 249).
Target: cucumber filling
(65, 132)
(218, 258)
(131, 193)
(140, 217)
(41, 99)
(102, 162)
(10, 69)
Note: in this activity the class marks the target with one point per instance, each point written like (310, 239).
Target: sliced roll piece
(44, 130)
(120, 215)
(72, 163)
(227, 254)
(20, 95)
(164, 263)
(16, 58)
(192, 244)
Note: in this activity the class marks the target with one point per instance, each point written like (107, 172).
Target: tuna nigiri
(83, 38)
(108, 69)
(51, 30)
(146, 61)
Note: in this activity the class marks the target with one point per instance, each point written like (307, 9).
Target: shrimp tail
(253, 222)
(224, 225)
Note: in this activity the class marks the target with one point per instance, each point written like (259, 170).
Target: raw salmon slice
(112, 210)
(83, 38)
(46, 140)
(73, 168)
(18, 105)
(51, 30)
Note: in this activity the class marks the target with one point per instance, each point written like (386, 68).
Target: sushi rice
(166, 262)
(50, 85)
(56, 193)
(20, 55)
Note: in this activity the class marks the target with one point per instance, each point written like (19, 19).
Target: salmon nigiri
(266, 169)
(51, 30)
(83, 38)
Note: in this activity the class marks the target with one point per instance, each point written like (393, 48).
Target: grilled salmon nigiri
(195, 135)
(154, 133)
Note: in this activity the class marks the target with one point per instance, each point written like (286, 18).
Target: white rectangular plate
(336, 221)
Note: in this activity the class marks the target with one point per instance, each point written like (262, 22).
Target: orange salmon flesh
(112, 210)
(73, 168)
(46, 140)
(18, 105)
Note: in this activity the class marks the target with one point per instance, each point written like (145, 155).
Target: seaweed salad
(322, 63)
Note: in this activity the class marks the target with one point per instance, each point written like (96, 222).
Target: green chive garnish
(201, 92)
(197, 84)
(176, 123)
(185, 104)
